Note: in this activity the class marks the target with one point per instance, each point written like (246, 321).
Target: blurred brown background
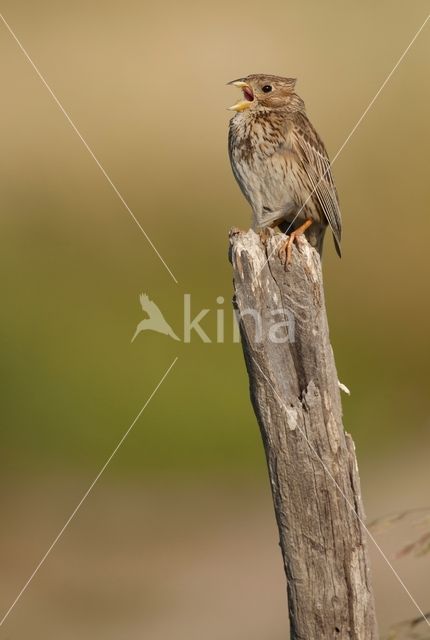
(178, 538)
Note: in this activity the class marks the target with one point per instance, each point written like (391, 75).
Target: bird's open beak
(248, 94)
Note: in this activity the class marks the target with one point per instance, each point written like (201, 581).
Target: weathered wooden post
(311, 460)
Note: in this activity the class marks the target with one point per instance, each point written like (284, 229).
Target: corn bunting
(281, 164)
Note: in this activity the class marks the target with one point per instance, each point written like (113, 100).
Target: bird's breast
(259, 157)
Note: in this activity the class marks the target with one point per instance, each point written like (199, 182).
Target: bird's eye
(267, 88)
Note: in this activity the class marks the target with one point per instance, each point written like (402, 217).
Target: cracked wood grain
(311, 460)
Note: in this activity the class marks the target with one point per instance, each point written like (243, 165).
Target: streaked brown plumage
(280, 162)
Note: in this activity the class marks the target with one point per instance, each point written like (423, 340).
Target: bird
(281, 164)
(155, 321)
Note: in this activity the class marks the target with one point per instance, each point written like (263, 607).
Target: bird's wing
(143, 298)
(312, 157)
(149, 306)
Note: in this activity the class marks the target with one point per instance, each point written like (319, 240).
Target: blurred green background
(145, 85)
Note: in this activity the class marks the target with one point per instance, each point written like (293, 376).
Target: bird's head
(269, 92)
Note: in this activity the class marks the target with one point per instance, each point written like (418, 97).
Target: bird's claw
(286, 250)
(264, 235)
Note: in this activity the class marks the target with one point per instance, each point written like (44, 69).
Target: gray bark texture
(311, 460)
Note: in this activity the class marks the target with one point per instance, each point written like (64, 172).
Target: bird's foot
(285, 251)
(265, 234)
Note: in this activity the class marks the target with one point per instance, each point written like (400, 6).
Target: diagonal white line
(84, 142)
(348, 502)
(381, 88)
(85, 496)
(353, 130)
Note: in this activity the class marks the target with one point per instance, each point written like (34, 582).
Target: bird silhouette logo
(155, 321)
